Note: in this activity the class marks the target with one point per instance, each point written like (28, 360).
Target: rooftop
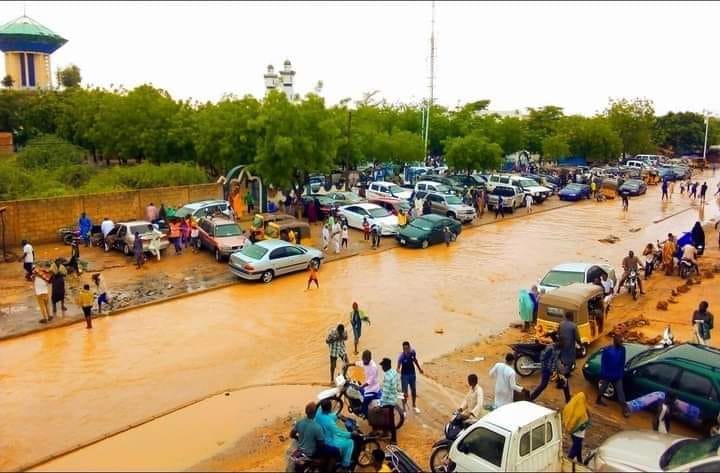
(518, 414)
(26, 34)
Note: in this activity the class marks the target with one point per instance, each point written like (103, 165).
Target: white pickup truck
(521, 436)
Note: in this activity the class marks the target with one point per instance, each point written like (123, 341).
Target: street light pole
(349, 151)
(707, 125)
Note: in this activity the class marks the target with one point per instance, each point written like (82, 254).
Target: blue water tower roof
(27, 35)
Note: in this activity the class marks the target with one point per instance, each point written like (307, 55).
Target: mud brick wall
(38, 220)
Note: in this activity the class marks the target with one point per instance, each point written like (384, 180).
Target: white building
(283, 81)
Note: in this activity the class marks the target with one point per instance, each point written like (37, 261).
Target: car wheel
(267, 276)
(583, 351)
(218, 256)
(609, 391)
(126, 249)
(425, 244)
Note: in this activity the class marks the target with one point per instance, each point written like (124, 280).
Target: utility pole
(426, 131)
(707, 125)
(349, 151)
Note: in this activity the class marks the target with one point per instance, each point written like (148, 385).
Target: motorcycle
(364, 445)
(631, 283)
(527, 355)
(350, 391)
(687, 267)
(439, 457)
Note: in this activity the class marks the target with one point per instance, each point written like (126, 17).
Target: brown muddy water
(67, 387)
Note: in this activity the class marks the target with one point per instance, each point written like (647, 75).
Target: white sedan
(356, 213)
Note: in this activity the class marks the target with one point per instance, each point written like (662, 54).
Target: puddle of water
(66, 386)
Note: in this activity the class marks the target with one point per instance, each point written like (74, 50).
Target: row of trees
(284, 140)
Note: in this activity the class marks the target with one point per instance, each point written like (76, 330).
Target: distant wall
(38, 220)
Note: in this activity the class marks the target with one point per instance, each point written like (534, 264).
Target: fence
(38, 220)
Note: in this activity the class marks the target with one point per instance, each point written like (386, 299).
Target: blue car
(574, 192)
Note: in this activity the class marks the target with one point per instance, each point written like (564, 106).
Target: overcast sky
(575, 55)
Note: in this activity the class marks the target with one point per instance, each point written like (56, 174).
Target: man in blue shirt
(333, 435)
(407, 361)
(310, 437)
(612, 370)
(85, 225)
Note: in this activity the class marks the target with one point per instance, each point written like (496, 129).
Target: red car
(391, 205)
(221, 236)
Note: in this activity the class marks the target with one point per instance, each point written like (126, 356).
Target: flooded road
(69, 386)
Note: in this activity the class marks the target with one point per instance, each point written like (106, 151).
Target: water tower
(27, 46)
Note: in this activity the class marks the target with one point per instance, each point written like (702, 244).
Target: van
(633, 163)
(517, 197)
(422, 188)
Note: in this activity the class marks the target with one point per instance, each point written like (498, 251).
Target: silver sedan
(269, 258)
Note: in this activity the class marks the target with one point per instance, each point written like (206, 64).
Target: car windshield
(378, 213)
(561, 278)
(453, 200)
(254, 252)
(184, 212)
(422, 224)
(573, 187)
(504, 191)
(642, 356)
(228, 230)
(395, 190)
(141, 229)
(528, 183)
(687, 451)
(442, 188)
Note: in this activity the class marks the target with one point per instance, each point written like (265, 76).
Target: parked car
(569, 273)
(636, 450)
(633, 187)
(122, 236)
(574, 191)
(422, 188)
(344, 198)
(392, 205)
(204, 208)
(355, 214)
(387, 189)
(687, 371)
(327, 204)
(221, 236)
(267, 259)
(530, 186)
(450, 206)
(427, 230)
(543, 182)
(517, 196)
(456, 186)
(472, 181)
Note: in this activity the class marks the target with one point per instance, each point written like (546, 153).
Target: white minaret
(287, 76)
(271, 79)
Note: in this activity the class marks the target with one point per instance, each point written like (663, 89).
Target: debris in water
(635, 230)
(439, 330)
(476, 359)
(609, 239)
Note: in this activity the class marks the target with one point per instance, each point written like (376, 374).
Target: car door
(436, 234)
(121, 237)
(435, 203)
(296, 259)
(112, 236)
(650, 378)
(278, 261)
(351, 215)
(699, 391)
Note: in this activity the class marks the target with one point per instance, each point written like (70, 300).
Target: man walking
(106, 227)
(407, 361)
(28, 259)
(500, 210)
(625, 201)
(612, 370)
(664, 190)
(569, 338)
(505, 383)
(703, 192)
(529, 203)
(357, 317)
(376, 231)
(548, 362)
(85, 300)
(389, 396)
(703, 322)
(336, 343)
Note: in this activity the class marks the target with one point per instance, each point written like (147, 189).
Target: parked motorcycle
(687, 267)
(350, 392)
(527, 355)
(439, 456)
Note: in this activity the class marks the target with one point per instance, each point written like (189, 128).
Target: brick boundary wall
(38, 220)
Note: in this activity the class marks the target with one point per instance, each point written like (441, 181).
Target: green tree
(295, 139)
(633, 121)
(48, 152)
(683, 132)
(472, 152)
(511, 134)
(69, 76)
(555, 147)
(8, 81)
(594, 139)
(541, 123)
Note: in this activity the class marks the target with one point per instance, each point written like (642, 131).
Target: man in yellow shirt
(85, 300)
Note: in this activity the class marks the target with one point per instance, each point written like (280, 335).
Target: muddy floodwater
(67, 387)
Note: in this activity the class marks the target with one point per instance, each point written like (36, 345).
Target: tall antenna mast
(431, 99)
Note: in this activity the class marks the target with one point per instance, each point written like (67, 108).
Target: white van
(383, 189)
(633, 163)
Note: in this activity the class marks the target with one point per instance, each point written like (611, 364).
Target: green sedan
(688, 371)
(426, 230)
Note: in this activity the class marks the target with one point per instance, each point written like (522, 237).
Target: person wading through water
(357, 317)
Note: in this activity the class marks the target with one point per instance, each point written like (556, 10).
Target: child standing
(366, 229)
(101, 291)
(313, 276)
(345, 237)
(194, 236)
(85, 300)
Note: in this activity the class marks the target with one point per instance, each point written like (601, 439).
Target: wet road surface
(67, 387)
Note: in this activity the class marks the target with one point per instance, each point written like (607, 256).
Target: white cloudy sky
(575, 55)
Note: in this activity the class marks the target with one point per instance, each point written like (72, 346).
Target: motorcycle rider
(472, 407)
(333, 435)
(689, 254)
(371, 386)
(630, 263)
(309, 436)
